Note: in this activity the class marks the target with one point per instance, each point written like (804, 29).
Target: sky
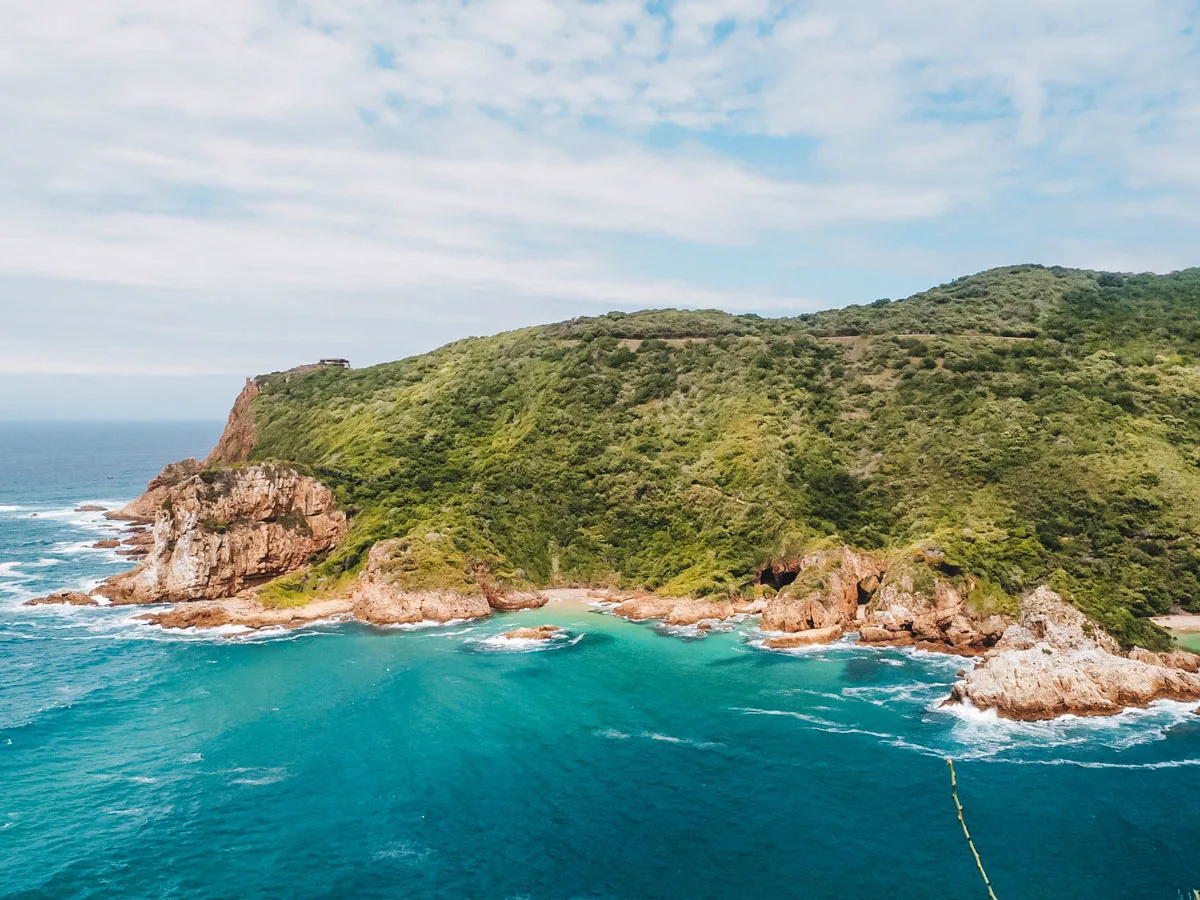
(198, 191)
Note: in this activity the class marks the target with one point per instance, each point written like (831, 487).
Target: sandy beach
(577, 598)
(1180, 623)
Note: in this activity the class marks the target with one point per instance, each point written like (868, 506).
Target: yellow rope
(971, 843)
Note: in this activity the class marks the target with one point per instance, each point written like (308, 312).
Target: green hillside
(1037, 424)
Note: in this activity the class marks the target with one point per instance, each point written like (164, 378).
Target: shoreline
(575, 599)
(1184, 623)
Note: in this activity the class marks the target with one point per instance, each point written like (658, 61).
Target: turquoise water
(625, 761)
(1191, 641)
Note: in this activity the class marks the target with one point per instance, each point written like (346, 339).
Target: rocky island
(1002, 468)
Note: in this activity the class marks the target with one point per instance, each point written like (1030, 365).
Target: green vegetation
(1037, 425)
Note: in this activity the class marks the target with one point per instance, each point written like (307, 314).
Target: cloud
(560, 156)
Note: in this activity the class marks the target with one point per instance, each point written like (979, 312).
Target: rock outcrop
(823, 588)
(536, 633)
(144, 509)
(915, 600)
(217, 532)
(1056, 661)
(383, 604)
(386, 592)
(246, 612)
(675, 610)
(69, 598)
(507, 599)
(805, 638)
(1172, 659)
(239, 436)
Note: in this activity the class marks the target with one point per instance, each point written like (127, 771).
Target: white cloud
(512, 148)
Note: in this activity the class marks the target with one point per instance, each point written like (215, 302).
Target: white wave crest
(258, 776)
(919, 692)
(613, 734)
(498, 643)
(981, 734)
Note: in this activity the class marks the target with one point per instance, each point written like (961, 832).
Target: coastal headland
(1002, 468)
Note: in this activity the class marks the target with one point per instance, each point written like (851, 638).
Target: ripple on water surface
(453, 762)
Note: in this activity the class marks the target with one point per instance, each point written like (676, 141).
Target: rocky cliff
(144, 509)
(914, 599)
(1055, 661)
(391, 589)
(219, 531)
(238, 438)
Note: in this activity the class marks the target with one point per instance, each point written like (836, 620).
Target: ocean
(623, 761)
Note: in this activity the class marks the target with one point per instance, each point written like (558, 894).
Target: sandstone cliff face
(144, 509)
(827, 588)
(385, 596)
(919, 605)
(1056, 661)
(238, 438)
(220, 531)
(676, 610)
(908, 601)
(383, 604)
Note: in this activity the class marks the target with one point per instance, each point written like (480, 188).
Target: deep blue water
(342, 761)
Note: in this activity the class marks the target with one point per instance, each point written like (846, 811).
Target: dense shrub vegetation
(1037, 424)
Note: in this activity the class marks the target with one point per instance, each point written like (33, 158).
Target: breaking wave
(498, 643)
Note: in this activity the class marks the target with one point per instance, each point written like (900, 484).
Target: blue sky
(202, 190)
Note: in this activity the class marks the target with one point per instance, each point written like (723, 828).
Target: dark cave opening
(777, 580)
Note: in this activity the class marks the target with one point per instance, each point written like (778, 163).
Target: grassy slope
(1038, 424)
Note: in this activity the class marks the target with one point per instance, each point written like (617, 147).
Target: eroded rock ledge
(1055, 661)
(913, 599)
(383, 594)
(219, 531)
(64, 597)
(219, 534)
